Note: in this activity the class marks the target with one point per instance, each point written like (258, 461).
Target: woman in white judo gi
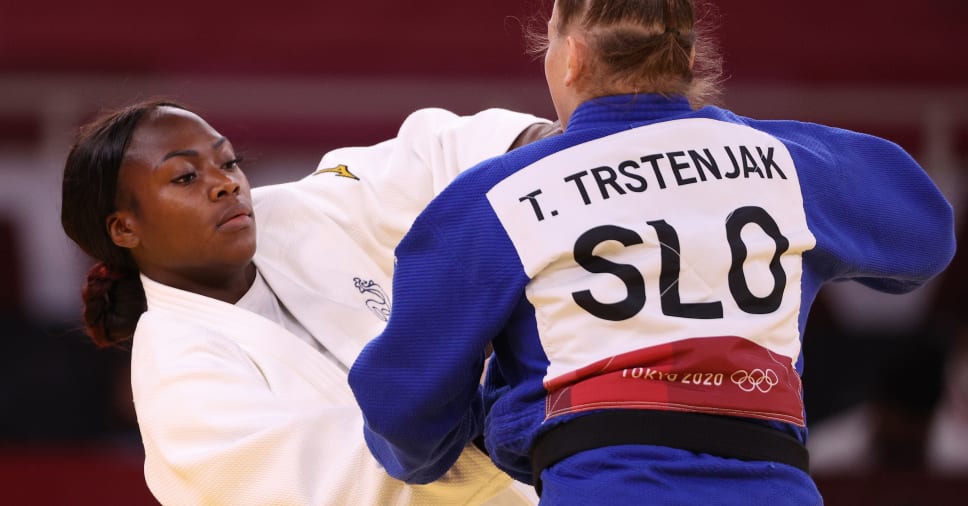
(239, 358)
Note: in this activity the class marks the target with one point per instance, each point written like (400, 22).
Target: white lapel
(256, 334)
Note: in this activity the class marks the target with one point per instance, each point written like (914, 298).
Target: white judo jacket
(236, 410)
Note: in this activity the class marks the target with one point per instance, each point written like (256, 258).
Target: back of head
(113, 296)
(644, 46)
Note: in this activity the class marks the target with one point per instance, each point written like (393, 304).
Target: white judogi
(234, 409)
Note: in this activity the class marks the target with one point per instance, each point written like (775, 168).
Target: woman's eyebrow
(191, 152)
(182, 152)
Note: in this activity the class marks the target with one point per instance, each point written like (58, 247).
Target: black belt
(695, 432)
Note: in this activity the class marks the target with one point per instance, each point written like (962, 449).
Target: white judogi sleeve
(326, 242)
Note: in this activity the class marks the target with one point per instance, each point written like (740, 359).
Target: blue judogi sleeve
(418, 382)
(878, 217)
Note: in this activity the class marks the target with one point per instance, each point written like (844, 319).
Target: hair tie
(102, 271)
(671, 29)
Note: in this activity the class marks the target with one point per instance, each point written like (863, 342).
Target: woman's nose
(223, 184)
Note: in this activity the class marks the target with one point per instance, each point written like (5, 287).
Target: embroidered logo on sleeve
(340, 170)
(374, 297)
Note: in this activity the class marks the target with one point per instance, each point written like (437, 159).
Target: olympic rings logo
(757, 379)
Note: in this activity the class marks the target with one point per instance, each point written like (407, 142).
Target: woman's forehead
(174, 122)
(168, 128)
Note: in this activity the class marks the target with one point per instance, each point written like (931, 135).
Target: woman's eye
(232, 164)
(184, 178)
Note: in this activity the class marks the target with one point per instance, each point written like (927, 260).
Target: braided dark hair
(112, 294)
(644, 45)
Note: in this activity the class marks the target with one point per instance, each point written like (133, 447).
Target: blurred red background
(289, 79)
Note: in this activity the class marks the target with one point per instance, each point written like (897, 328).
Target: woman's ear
(121, 229)
(577, 53)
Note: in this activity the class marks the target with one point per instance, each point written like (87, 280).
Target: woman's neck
(224, 285)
